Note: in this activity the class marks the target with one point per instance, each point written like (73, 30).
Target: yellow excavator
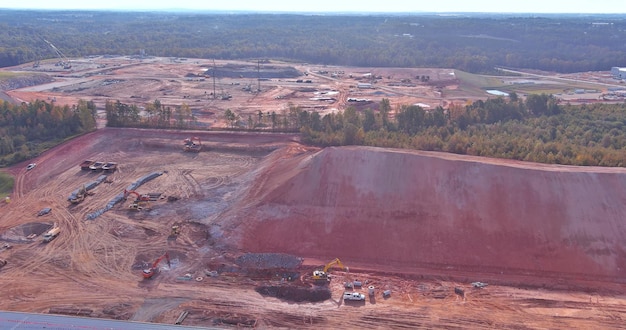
(174, 233)
(322, 275)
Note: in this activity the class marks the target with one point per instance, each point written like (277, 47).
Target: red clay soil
(400, 209)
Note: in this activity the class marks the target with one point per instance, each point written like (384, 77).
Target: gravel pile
(268, 261)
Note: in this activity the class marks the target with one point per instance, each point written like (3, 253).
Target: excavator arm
(334, 262)
(148, 273)
(323, 274)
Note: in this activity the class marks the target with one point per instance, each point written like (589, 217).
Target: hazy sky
(406, 6)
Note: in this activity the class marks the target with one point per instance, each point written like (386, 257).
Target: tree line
(28, 129)
(473, 43)
(153, 115)
(537, 129)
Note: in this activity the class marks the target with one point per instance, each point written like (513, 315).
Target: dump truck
(109, 167)
(85, 164)
(97, 166)
(51, 234)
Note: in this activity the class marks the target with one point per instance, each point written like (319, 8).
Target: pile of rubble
(268, 261)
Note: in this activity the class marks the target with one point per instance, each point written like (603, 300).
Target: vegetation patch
(6, 184)
(29, 129)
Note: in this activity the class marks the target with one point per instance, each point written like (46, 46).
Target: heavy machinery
(2, 263)
(150, 272)
(175, 232)
(322, 275)
(84, 166)
(51, 234)
(63, 61)
(192, 144)
(80, 195)
(141, 201)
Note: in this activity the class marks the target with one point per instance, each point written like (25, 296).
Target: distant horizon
(329, 13)
(582, 7)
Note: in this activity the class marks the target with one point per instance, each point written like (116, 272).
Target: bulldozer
(175, 232)
(193, 144)
(321, 276)
(80, 196)
(150, 272)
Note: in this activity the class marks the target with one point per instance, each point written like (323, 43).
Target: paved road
(522, 73)
(30, 321)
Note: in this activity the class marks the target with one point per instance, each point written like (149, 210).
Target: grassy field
(477, 84)
(6, 185)
(8, 74)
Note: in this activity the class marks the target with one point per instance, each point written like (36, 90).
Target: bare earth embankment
(402, 209)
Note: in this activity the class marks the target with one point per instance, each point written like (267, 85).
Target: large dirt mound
(440, 211)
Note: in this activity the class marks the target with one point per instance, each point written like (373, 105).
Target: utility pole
(258, 73)
(214, 79)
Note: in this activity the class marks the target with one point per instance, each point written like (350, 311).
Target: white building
(618, 73)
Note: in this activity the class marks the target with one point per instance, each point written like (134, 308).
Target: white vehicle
(353, 296)
(31, 166)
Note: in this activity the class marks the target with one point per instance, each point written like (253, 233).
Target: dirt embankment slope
(438, 211)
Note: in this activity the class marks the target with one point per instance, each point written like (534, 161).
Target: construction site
(257, 230)
(239, 229)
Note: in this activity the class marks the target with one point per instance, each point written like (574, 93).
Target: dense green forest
(28, 129)
(536, 129)
(474, 43)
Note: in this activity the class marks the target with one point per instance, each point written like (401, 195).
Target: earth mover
(150, 272)
(321, 276)
(84, 166)
(80, 196)
(192, 144)
(51, 234)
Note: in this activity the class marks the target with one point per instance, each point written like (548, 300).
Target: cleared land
(210, 87)
(259, 212)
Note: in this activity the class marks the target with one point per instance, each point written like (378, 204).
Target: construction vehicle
(353, 296)
(80, 195)
(97, 166)
(63, 61)
(192, 144)
(150, 272)
(44, 211)
(141, 202)
(51, 234)
(322, 275)
(138, 205)
(109, 167)
(85, 164)
(175, 232)
(3, 263)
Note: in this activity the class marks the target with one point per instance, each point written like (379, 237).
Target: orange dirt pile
(438, 211)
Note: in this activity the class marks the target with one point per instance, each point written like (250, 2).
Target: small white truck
(354, 296)
(51, 234)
